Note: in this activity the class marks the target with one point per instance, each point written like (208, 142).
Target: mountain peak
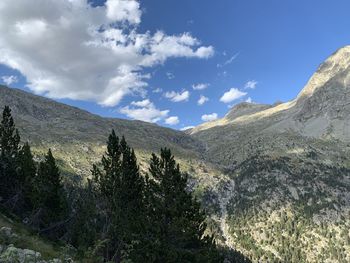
(337, 64)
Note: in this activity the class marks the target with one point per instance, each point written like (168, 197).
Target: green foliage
(49, 192)
(120, 187)
(180, 222)
(9, 147)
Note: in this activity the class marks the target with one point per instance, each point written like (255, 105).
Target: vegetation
(119, 216)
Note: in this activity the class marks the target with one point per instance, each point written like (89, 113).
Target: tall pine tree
(121, 187)
(179, 222)
(26, 172)
(49, 193)
(9, 146)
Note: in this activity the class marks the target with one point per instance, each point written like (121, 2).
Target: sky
(177, 63)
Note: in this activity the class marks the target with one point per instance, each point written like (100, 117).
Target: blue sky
(273, 45)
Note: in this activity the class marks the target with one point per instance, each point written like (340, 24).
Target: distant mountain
(43, 119)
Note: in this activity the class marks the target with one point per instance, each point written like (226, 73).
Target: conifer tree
(120, 185)
(49, 194)
(85, 224)
(9, 145)
(179, 222)
(26, 172)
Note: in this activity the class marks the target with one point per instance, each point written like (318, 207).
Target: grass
(26, 239)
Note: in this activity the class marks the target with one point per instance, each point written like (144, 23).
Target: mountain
(78, 137)
(289, 199)
(275, 179)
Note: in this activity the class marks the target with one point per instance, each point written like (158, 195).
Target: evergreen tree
(26, 172)
(179, 222)
(85, 224)
(49, 193)
(9, 145)
(121, 187)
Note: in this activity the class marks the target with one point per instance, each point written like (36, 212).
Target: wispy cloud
(9, 79)
(229, 61)
(157, 90)
(170, 75)
(251, 84)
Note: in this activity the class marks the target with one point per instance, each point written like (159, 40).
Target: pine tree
(26, 172)
(121, 187)
(179, 222)
(9, 145)
(49, 193)
(86, 221)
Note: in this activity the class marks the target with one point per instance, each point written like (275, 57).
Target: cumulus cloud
(249, 100)
(70, 49)
(187, 128)
(251, 84)
(231, 95)
(144, 110)
(210, 117)
(177, 96)
(202, 100)
(120, 10)
(200, 86)
(9, 79)
(173, 120)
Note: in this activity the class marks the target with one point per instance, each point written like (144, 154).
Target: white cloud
(229, 61)
(187, 128)
(157, 90)
(69, 49)
(145, 111)
(173, 120)
(142, 103)
(200, 86)
(202, 100)
(170, 75)
(209, 117)
(177, 96)
(231, 95)
(9, 79)
(251, 84)
(124, 10)
(249, 100)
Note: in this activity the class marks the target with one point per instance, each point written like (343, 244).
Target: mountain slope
(46, 121)
(289, 167)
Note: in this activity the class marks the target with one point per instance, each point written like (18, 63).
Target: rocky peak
(335, 67)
